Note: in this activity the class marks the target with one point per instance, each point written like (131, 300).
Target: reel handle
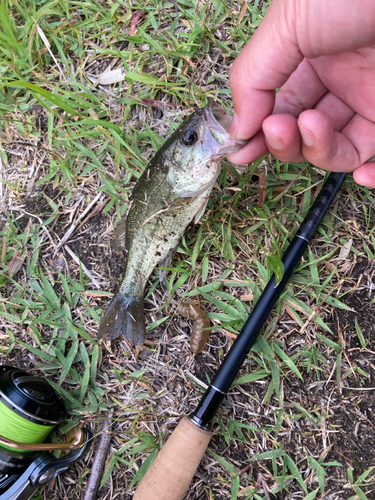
(76, 438)
(42, 470)
(171, 472)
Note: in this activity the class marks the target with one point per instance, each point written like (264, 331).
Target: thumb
(265, 64)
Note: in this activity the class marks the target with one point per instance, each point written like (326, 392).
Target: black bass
(172, 191)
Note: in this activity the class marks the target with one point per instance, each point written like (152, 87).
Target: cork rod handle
(171, 472)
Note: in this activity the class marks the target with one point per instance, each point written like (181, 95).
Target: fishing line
(13, 426)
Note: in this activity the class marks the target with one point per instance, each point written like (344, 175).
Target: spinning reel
(29, 410)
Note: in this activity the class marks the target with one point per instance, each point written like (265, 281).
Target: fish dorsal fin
(118, 236)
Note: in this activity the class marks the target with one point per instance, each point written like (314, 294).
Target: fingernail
(274, 142)
(307, 137)
(234, 126)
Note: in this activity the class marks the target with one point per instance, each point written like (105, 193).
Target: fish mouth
(218, 120)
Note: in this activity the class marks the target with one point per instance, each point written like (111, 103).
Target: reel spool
(29, 410)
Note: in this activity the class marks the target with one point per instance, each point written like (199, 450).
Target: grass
(66, 141)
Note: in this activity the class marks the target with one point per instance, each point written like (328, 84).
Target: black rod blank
(228, 370)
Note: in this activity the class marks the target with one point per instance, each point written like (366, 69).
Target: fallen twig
(78, 221)
(99, 461)
(84, 268)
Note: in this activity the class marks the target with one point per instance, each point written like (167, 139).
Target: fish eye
(189, 137)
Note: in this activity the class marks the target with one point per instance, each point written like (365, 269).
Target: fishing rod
(171, 472)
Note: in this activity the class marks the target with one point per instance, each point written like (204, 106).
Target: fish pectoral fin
(118, 236)
(166, 262)
(200, 185)
(201, 210)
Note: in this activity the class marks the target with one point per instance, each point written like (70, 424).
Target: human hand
(321, 54)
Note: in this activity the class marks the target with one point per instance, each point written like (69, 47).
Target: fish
(201, 323)
(172, 191)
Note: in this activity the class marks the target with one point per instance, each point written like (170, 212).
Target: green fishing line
(12, 426)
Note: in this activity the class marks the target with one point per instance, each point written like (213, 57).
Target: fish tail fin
(124, 316)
